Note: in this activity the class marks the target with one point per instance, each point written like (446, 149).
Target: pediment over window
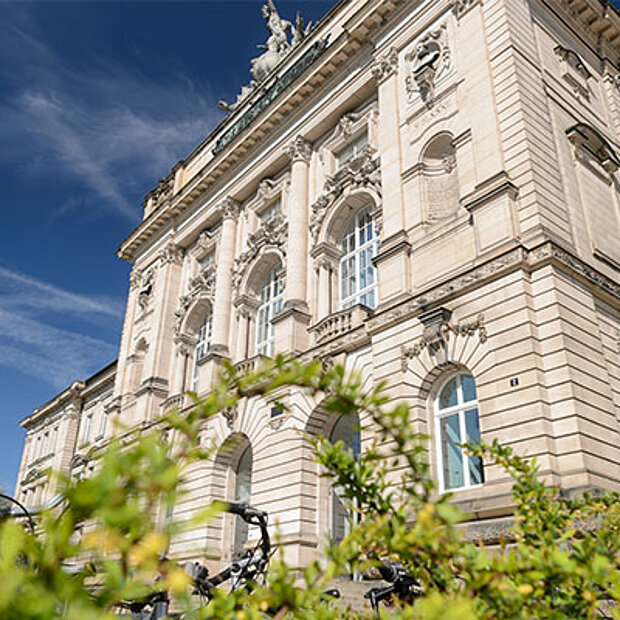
(573, 70)
(32, 475)
(591, 145)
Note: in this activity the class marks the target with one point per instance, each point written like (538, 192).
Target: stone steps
(352, 593)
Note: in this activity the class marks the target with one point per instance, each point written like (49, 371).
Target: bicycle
(403, 586)
(246, 572)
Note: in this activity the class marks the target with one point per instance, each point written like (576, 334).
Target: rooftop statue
(276, 48)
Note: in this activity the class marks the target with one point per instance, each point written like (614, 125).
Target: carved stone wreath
(360, 172)
(203, 285)
(271, 233)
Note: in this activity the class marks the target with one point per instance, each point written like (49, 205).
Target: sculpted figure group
(276, 48)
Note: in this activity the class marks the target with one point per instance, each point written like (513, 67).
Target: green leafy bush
(107, 542)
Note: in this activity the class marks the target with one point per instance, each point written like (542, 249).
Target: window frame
(268, 308)
(353, 443)
(354, 227)
(204, 333)
(462, 406)
(352, 148)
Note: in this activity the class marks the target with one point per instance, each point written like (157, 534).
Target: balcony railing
(249, 365)
(340, 323)
(176, 401)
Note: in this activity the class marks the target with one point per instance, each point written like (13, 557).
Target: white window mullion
(440, 455)
(464, 459)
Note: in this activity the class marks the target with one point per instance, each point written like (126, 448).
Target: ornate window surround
(268, 192)
(207, 243)
(354, 187)
(349, 128)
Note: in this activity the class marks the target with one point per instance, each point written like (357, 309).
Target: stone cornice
(72, 392)
(417, 305)
(597, 17)
(356, 32)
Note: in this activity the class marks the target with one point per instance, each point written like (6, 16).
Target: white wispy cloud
(31, 339)
(55, 356)
(99, 123)
(20, 290)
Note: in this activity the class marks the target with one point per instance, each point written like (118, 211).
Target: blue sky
(97, 101)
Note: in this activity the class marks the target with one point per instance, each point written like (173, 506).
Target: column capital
(230, 208)
(299, 149)
(384, 66)
(171, 253)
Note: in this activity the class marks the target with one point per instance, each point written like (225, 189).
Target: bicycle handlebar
(247, 512)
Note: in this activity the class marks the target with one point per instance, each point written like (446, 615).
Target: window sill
(473, 487)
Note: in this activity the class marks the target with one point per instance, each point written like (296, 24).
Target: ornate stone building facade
(427, 192)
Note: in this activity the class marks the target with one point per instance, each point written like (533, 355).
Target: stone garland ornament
(429, 60)
(271, 233)
(32, 475)
(361, 172)
(460, 7)
(230, 415)
(436, 334)
(78, 460)
(135, 278)
(277, 47)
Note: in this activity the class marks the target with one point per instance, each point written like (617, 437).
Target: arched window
(202, 346)
(358, 277)
(243, 493)
(346, 430)
(271, 299)
(456, 422)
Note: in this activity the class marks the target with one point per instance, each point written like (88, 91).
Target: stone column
(393, 259)
(222, 307)
(326, 257)
(246, 309)
(299, 151)
(291, 325)
(183, 351)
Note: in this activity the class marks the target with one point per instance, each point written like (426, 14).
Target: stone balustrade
(248, 365)
(176, 401)
(339, 323)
